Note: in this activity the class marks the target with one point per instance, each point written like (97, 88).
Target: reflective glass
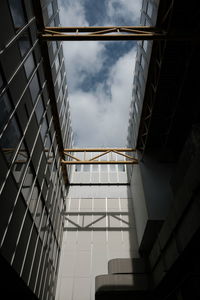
(57, 63)
(5, 109)
(77, 168)
(54, 46)
(34, 87)
(10, 140)
(95, 168)
(24, 43)
(50, 10)
(33, 199)
(27, 184)
(121, 168)
(86, 168)
(150, 9)
(1, 81)
(20, 163)
(17, 12)
(29, 65)
(38, 213)
(44, 129)
(39, 110)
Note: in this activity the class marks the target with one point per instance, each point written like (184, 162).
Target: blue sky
(99, 74)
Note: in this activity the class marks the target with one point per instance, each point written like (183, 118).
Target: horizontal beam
(100, 162)
(77, 29)
(102, 33)
(99, 149)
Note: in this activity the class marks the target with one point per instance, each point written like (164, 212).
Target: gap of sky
(100, 74)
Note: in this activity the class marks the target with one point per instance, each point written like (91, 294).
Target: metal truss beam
(74, 160)
(103, 33)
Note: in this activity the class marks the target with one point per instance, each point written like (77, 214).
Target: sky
(99, 74)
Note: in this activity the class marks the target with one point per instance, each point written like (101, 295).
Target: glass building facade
(35, 125)
(144, 48)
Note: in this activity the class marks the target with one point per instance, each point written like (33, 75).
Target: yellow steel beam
(102, 33)
(99, 149)
(101, 162)
(103, 151)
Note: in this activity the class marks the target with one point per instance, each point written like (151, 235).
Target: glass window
(77, 168)
(150, 9)
(59, 79)
(113, 168)
(27, 184)
(121, 168)
(143, 62)
(1, 81)
(136, 107)
(33, 199)
(56, 63)
(39, 110)
(38, 213)
(54, 46)
(5, 109)
(20, 163)
(44, 129)
(95, 168)
(10, 139)
(52, 24)
(34, 88)
(145, 45)
(29, 65)
(17, 12)
(24, 43)
(103, 168)
(50, 10)
(86, 168)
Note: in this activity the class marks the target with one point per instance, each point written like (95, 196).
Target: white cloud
(82, 59)
(100, 118)
(72, 13)
(128, 10)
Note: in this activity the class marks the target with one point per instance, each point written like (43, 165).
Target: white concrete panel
(83, 263)
(66, 289)
(81, 289)
(68, 263)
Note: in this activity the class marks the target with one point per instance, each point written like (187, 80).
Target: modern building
(35, 126)
(128, 232)
(165, 186)
(99, 226)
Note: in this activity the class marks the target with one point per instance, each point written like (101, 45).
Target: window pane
(50, 10)
(121, 168)
(24, 43)
(86, 168)
(150, 9)
(103, 168)
(27, 184)
(34, 88)
(17, 12)
(33, 200)
(38, 213)
(113, 168)
(20, 163)
(54, 45)
(29, 65)
(1, 81)
(39, 110)
(77, 168)
(95, 168)
(5, 109)
(57, 63)
(44, 128)
(10, 140)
